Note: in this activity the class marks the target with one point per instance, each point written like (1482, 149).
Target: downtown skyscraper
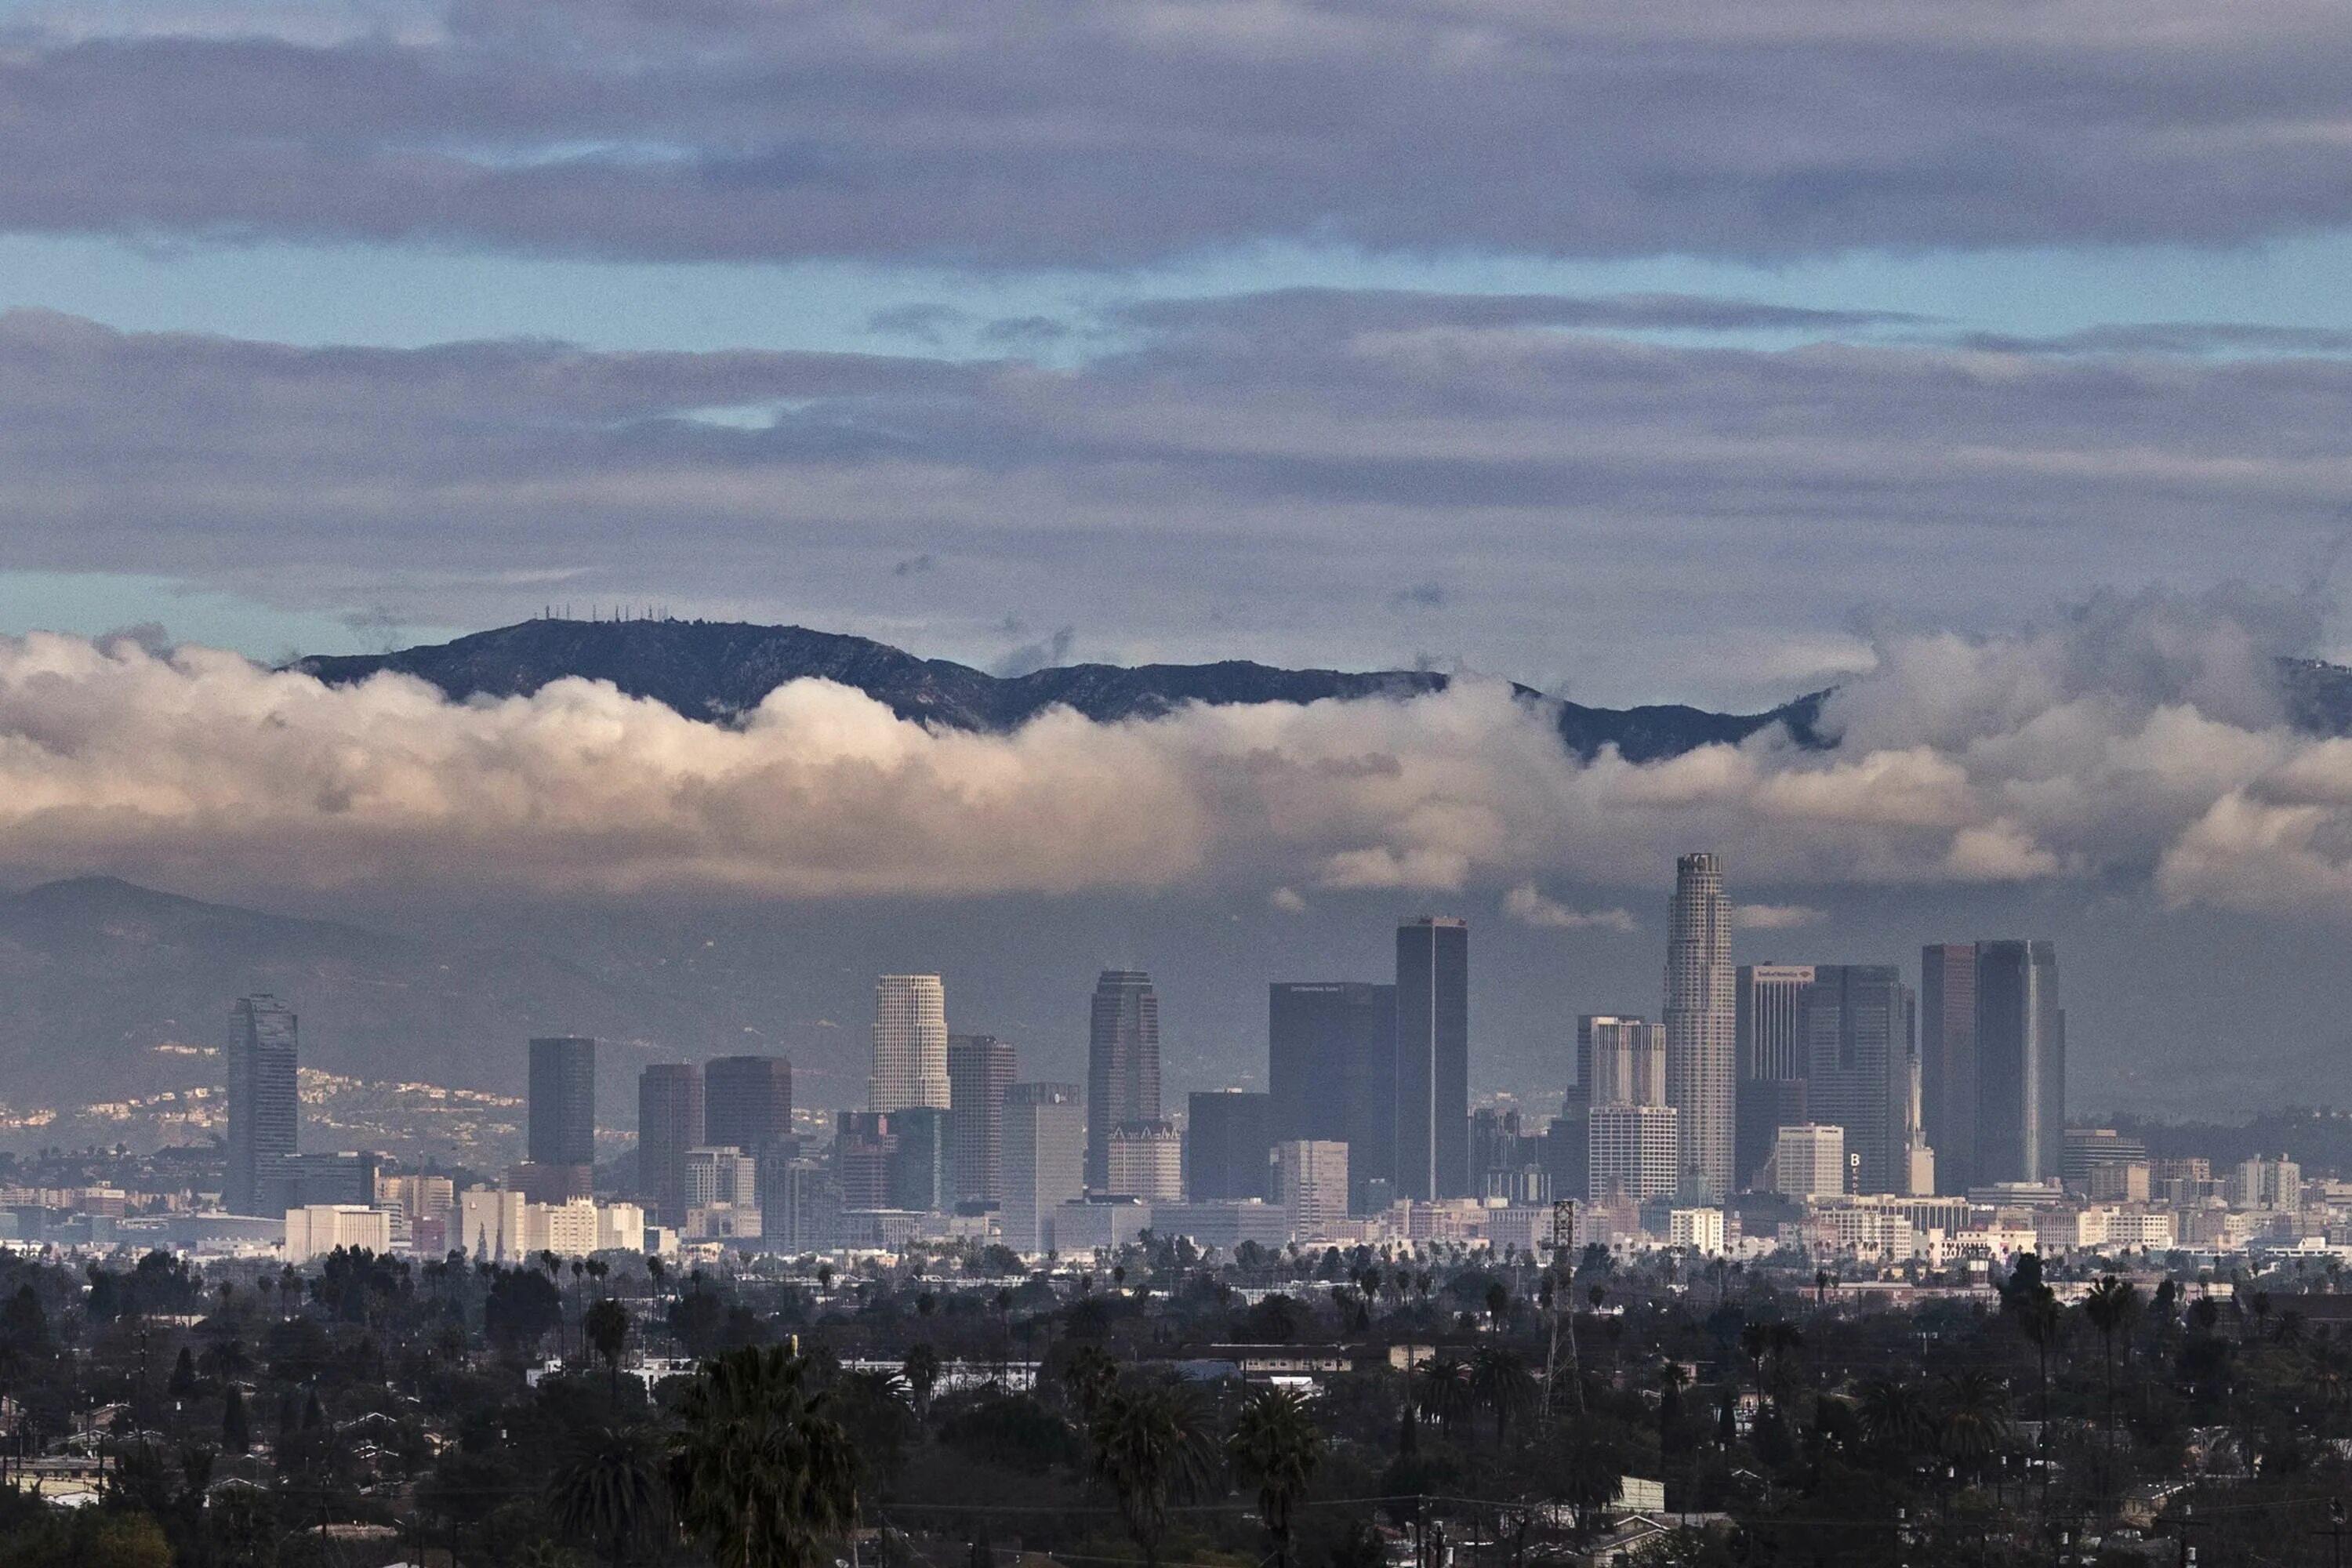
(1122, 1064)
(669, 1122)
(980, 1068)
(265, 1105)
(1857, 1032)
(1331, 1071)
(561, 1111)
(1947, 1059)
(2020, 1063)
(1702, 1027)
(1774, 1060)
(1432, 1058)
(747, 1103)
(910, 1043)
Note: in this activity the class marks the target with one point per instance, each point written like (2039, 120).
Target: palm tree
(1499, 1381)
(607, 1491)
(2110, 1307)
(1276, 1444)
(2038, 1318)
(606, 1324)
(1894, 1416)
(1152, 1446)
(761, 1474)
(1590, 1475)
(1976, 1418)
(921, 1369)
(1089, 1380)
(1447, 1394)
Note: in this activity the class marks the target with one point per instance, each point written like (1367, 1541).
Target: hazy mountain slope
(99, 973)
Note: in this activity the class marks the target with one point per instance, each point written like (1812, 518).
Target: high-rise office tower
(1773, 1060)
(1809, 1161)
(1331, 1069)
(980, 1068)
(1634, 1154)
(1433, 1047)
(1947, 1059)
(922, 1165)
(1857, 1024)
(1702, 1027)
(563, 1106)
(717, 1175)
(1310, 1182)
(863, 1148)
(2020, 1063)
(265, 1104)
(1146, 1159)
(669, 1122)
(1627, 1058)
(1044, 1159)
(1226, 1139)
(1122, 1064)
(747, 1102)
(1767, 1001)
(910, 1043)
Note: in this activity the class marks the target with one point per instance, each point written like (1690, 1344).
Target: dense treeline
(369, 1408)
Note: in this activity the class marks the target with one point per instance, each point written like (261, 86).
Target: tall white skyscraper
(1702, 1027)
(910, 1043)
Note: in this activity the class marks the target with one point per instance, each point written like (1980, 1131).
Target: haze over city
(813, 782)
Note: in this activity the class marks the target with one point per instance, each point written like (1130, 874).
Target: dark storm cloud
(1109, 133)
(1205, 479)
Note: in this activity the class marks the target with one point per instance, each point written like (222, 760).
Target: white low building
(318, 1229)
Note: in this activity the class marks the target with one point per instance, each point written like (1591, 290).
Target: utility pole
(2187, 1523)
(2335, 1530)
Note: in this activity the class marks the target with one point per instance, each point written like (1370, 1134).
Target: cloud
(1529, 907)
(1210, 492)
(1288, 901)
(914, 566)
(927, 323)
(1031, 656)
(1775, 917)
(1082, 134)
(2136, 742)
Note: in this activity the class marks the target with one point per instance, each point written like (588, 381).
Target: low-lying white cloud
(1775, 917)
(1529, 906)
(2133, 743)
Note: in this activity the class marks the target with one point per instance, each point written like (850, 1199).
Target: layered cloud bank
(2135, 745)
(1107, 131)
(1264, 476)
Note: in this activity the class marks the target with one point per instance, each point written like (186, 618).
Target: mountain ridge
(720, 671)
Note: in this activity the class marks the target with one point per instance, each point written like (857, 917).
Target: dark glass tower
(1856, 1023)
(2020, 1063)
(1226, 1141)
(265, 1105)
(1947, 1060)
(1433, 1055)
(1331, 1071)
(747, 1103)
(669, 1122)
(922, 1167)
(562, 1104)
(1122, 1064)
(980, 1068)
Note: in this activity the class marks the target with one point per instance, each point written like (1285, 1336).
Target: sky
(1990, 361)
